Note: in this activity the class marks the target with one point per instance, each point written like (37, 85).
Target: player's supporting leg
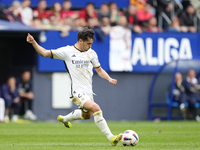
(101, 122)
(74, 115)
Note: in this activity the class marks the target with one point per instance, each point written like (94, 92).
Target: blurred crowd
(140, 16)
(187, 92)
(16, 98)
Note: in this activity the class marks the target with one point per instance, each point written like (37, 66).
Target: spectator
(114, 14)
(196, 5)
(175, 26)
(53, 25)
(86, 13)
(66, 11)
(152, 25)
(132, 19)
(179, 94)
(103, 12)
(189, 20)
(36, 23)
(57, 12)
(190, 84)
(139, 4)
(26, 96)
(143, 15)
(105, 25)
(68, 21)
(163, 12)
(11, 96)
(3, 14)
(2, 108)
(76, 25)
(26, 12)
(94, 25)
(14, 14)
(41, 12)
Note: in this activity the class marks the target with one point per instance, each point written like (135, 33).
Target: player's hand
(113, 81)
(30, 39)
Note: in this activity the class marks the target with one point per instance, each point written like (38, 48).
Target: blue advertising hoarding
(149, 51)
(75, 3)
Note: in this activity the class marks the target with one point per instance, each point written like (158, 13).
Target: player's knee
(96, 108)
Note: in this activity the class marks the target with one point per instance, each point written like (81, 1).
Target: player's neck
(77, 46)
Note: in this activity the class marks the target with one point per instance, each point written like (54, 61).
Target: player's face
(86, 45)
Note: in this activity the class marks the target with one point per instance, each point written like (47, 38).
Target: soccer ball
(129, 138)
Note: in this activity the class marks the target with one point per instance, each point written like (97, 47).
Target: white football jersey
(79, 65)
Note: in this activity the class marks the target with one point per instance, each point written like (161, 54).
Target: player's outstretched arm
(40, 50)
(102, 73)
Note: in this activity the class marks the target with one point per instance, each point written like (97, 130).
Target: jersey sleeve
(95, 60)
(59, 53)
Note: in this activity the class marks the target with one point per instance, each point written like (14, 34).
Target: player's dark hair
(85, 34)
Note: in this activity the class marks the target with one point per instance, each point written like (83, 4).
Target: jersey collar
(77, 49)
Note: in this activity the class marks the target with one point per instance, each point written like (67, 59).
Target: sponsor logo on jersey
(81, 63)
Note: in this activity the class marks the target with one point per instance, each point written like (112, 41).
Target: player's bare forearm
(103, 74)
(39, 49)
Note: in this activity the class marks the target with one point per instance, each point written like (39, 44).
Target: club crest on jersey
(88, 56)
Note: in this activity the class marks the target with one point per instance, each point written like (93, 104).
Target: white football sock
(102, 125)
(74, 115)
(2, 109)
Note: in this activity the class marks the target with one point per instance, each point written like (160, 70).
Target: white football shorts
(80, 98)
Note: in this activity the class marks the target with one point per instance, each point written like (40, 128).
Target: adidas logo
(74, 55)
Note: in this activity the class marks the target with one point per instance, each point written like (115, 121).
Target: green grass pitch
(176, 135)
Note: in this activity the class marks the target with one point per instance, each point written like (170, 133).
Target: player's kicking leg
(101, 122)
(74, 115)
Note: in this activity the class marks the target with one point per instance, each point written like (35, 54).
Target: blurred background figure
(68, 21)
(175, 26)
(179, 94)
(3, 11)
(36, 23)
(132, 19)
(53, 25)
(114, 13)
(139, 4)
(26, 12)
(56, 11)
(190, 84)
(13, 14)
(103, 12)
(41, 12)
(105, 25)
(166, 10)
(76, 26)
(2, 108)
(189, 20)
(86, 13)
(152, 25)
(144, 15)
(94, 25)
(26, 96)
(66, 11)
(11, 96)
